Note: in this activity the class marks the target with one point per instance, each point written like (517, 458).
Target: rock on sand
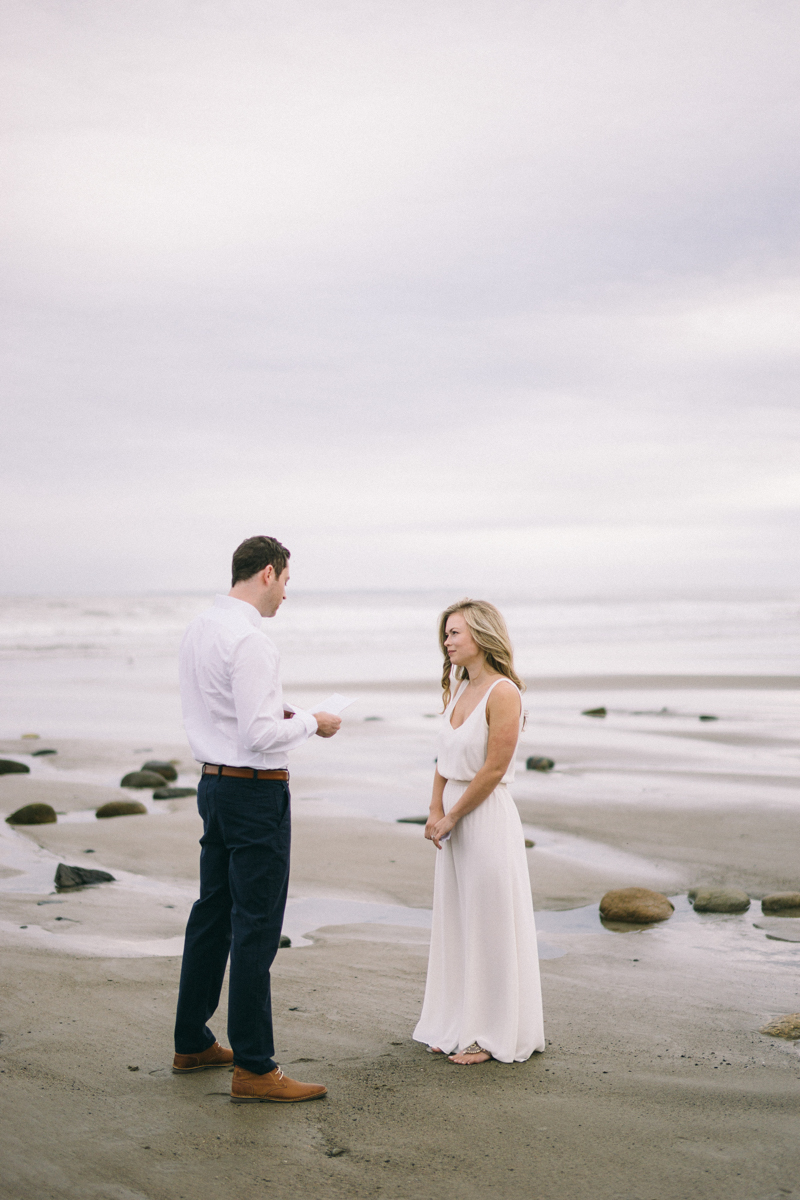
(638, 905)
(785, 1027)
(67, 877)
(720, 900)
(9, 767)
(537, 763)
(33, 814)
(161, 768)
(143, 779)
(120, 808)
(779, 901)
(169, 793)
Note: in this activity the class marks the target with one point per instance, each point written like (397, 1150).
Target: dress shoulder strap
(502, 679)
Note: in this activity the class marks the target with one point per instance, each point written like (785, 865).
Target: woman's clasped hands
(439, 826)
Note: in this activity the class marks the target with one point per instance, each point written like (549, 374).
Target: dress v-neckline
(456, 699)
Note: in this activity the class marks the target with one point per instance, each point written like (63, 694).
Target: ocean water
(107, 666)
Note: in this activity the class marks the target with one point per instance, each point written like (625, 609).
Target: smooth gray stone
(121, 808)
(69, 877)
(166, 769)
(33, 814)
(143, 779)
(170, 793)
(780, 901)
(9, 767)
(637, 905)
(720, 900)
(537, 763)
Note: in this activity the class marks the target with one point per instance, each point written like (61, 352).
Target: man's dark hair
(254, 555)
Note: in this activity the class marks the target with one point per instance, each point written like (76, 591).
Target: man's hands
(327, 724)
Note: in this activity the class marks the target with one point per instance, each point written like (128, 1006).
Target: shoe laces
(280, 1075)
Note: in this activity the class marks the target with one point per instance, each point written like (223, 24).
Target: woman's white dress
(483, 971)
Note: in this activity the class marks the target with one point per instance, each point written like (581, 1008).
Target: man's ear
(268, 574)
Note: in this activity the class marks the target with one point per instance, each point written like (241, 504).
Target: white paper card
(335, 704)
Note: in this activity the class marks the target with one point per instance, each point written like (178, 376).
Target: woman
(482, 997)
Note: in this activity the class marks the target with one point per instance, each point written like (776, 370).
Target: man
(240, 729)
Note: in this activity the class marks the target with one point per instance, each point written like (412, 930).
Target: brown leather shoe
(248, 1088)
(214, 1056)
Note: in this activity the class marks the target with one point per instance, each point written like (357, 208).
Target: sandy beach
(655, 1085)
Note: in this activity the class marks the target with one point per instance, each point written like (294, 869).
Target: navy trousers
(244, 878)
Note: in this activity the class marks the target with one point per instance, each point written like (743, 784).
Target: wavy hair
(490, 634)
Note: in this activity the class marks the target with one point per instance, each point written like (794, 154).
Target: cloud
(421, 288)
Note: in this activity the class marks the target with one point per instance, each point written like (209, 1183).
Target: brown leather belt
(243, 772)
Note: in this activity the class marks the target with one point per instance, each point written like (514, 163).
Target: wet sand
(655, 1085)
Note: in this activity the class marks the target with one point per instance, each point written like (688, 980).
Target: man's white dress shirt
(231, 691)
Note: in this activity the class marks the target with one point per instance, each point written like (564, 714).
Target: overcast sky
(459, 293)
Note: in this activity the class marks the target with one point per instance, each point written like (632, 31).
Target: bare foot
(469, 1060)
(435, 1050)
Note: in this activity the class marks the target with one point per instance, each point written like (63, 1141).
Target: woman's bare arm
(436, 811)
(502, 713)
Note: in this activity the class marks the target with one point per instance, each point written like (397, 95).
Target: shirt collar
(246, 610)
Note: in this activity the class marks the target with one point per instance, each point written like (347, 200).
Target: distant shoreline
(578, 683)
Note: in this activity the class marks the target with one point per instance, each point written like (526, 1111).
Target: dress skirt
(483, 971)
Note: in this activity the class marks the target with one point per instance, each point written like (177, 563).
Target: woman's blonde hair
(489, 632)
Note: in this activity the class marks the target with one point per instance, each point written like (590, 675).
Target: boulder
(779, 901)
(33, 814)
(720, 900)
(162, 768)
(529, 844)
(9, 767)
(785, 1027)
(120, 808)
(535, 763)
(412, 820)
(143, 779)
(637, 905)
(285, 942)
(40, 753)
(594, 712)
(168, 793)
(70, 877)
